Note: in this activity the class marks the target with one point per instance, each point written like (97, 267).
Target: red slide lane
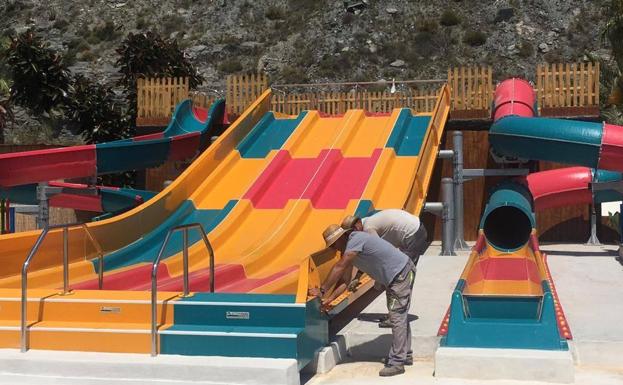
(560, 187)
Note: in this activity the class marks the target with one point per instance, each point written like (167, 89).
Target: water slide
(505, 297)
(264, 191)
(187, 134)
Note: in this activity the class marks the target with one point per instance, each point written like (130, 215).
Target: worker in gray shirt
(386, 265)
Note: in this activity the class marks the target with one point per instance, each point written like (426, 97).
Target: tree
(41, 81)
(93, 110)
(147, 54)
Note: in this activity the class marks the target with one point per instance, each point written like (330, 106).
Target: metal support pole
(447, 196)
(185, 262)
(65, 261)
(43, 214)
(459, 222)
(593, 240)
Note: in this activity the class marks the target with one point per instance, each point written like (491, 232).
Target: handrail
(31, 254)
(154, 274)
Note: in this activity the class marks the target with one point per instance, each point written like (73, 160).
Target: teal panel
(558, 140)
(242, 297)
(507, 333)
(408, 133)
(268, 134)
(230, 345)
(257, 314)
(122, 156)
(365, 208)
(510, 194)
(606, 195)
(146, 248)
(316, 333)
(116, 201)
(24, 194)
(502, 307)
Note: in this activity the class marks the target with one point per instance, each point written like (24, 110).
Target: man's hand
(314, 292)
(352, 286)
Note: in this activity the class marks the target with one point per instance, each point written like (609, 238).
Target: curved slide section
(99, 199)
(187, 134)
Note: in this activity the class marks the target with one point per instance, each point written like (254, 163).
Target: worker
(386, 265)
(398, 227)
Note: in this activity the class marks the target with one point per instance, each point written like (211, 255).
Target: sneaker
(408, 361)
(394, 370)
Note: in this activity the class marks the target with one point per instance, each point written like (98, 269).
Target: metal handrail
(154, 274)
(31, 254)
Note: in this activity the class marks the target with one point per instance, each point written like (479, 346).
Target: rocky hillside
(321, 40)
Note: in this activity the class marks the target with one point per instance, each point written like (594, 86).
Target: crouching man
(386, 265)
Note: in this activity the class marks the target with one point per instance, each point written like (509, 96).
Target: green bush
(104, 32)
(60, 24)
(141, 23)
(293, 75)
(475, 38)
(449, 18)
(41, 80)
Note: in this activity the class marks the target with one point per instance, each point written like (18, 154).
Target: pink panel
(184, 146)
(560, 187)
(19, 168)
(611, 156)
(342, 182)
(201, 114)
(501, 269)
(329, 180)
(514, 97)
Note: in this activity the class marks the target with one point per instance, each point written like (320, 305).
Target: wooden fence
(335, 103)
(568, 89)
(156, 98)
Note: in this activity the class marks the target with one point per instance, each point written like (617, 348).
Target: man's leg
(398, 302)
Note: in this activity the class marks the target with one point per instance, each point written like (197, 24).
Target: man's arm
(345, 263)
(340, 286)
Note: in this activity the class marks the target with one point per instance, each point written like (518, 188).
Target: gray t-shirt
(376, 257)
(393, 225)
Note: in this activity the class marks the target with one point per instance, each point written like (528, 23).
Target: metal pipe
(43, 214)
(447, 194)
(435, 208)
(445, 154)
(24, 303)
(593, 240)
(65, 260)
(459, 220)
(185, 261)
(204, 236)
(154, 295)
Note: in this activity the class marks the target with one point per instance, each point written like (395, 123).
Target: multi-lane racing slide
(263, 191)
(187, 134)
(505, 297)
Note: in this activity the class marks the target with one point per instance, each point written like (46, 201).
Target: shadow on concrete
(338, 322)
(378, 317)
(586, 254)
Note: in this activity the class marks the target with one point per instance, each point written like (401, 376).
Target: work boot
(392, 370)
(408, 360)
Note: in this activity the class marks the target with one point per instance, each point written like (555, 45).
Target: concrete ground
(589, 281)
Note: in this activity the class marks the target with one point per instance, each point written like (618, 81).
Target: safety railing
(29, 258)
(185, 289)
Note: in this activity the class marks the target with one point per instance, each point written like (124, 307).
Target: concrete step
(69, 368)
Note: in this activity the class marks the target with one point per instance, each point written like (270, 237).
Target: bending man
(386, 265)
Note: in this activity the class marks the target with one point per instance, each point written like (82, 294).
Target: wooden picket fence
(567, 88)
(335, 103)
(562, 90)
(157, 97)
(471, 91)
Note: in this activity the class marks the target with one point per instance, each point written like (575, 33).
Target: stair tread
(233, 329)
(78, 325)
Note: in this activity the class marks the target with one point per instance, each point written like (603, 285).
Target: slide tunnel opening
(507, 228)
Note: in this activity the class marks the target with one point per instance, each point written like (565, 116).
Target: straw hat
(332, 233)
(349, 222)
